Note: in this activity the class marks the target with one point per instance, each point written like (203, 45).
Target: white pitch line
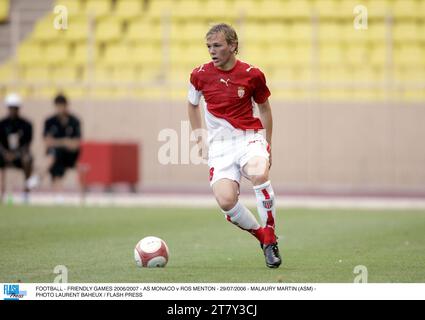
(208, 201)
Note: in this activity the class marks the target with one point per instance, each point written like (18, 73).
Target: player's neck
(229, 65)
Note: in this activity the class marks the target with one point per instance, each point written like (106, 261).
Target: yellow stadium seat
(7, 72)
(272, 9)
(421, 9)
(65, 74)
(376, 32)
(30, 53)
(176, 32)
(331, 55)
(352, 35)
(331, 32)
(74, 7)
(99, 74)
(144, 31)
(108, 30)
(178, 76)
(187, 9)
(276, 32)
(378, 55)
(346, 8)
(83, 54)
(290, 94)
(301, 54)
(252, 32)
(148, 75)
(4, 10)
(368, 73)
(127, 9)
(246, 9)
(278, 55)
(146, 55)
(191, 32)
(334, 74)
(327, 8)
(298, 8)
(218, 10)
(301, 31)
(410, 55)
(356, 54)
(78, 28)
(57, 53)
(421, 29)
(125, 74)
(198, 55)
(36, 74)
(116, 54)
(406, 31)
(254, 55)
(45, 31)
(98, 8)
(413, 73)
(405, 9)
(378, 8)
(417, 95)
(159, 8)
(150, 93)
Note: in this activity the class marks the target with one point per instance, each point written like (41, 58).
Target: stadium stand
(302, 45)
(4, 10)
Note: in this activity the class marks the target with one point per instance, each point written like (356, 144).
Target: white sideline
(208, 201)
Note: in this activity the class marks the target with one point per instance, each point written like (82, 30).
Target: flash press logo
(12, 292)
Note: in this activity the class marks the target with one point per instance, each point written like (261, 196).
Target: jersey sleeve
(194, 94)
(261, 91)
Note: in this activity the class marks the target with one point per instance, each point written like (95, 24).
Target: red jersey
(229, 95)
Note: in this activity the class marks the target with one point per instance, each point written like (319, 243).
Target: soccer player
(236, 148)
(62, 137)
(15, 141)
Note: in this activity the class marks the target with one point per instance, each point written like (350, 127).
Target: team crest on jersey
(241, 92)
(268, 204)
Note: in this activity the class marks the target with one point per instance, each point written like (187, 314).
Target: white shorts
(227, 158)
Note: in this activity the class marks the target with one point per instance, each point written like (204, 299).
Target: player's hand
(202, 150)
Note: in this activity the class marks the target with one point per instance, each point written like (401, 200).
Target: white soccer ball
(151, 252)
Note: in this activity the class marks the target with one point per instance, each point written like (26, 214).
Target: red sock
(269, 236)
(259, 234)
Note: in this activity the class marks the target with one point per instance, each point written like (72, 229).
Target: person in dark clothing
(15, 141)
(62, 137)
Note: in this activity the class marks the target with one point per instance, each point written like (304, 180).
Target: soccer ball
(151, 252)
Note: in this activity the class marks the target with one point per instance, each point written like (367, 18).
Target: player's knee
(226, 201)
(260, 179)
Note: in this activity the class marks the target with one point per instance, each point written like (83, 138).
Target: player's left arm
(267, 121)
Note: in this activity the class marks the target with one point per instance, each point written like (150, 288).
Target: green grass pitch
(96, 245)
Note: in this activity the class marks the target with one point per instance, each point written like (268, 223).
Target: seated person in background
(15, 141)
(62, 137)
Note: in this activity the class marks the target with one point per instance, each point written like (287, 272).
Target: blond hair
(229, 33)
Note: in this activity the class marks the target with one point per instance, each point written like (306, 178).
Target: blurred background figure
(62, 137)
(15, 141)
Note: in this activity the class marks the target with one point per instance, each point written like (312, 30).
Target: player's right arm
(195, 118)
